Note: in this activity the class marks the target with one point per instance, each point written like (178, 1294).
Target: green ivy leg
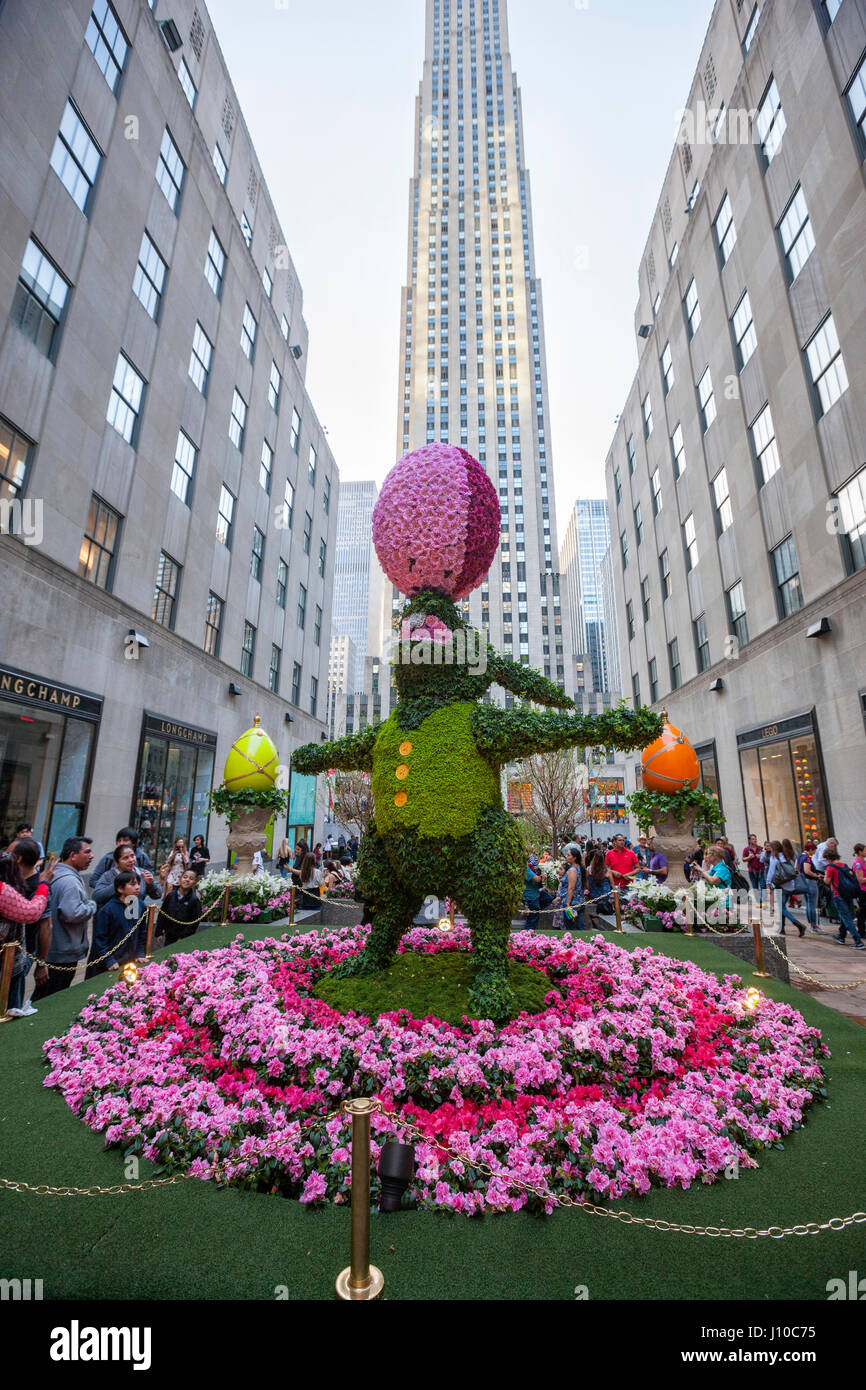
(490, 892)
(392, 905)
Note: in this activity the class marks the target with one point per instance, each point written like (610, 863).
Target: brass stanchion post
(361, 1281)
(759, 950)
(617, 909)
(151, 918)
(6, 980)
(292, 907)
(224, 911)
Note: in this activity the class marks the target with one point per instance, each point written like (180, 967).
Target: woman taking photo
(174, 866)
(569, 897)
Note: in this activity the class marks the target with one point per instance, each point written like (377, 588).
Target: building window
(798, 239)
(788, 591)
(857, 102)
(308, 532)
(702, 643)
(40, 297)
(99, 546)
(238, 420)
(692, 308)
(647, 409)
(296, 683)
(266, 466)
(125, 402)
(190, 90)
(629, 448)
(690, 542)
(737, 623)
(200, 358)
(706, 400)
(667, 362)
(76, 157)
(184, 467)
(317, 627)
(771, 124)
(257, 554)
(246, 230)
(851, 501)
(744, 331)
(14, 460)
(165, 590)
(282, 583)
(323, 555)
(289, 505)
(284, 327)
(674, 662)
(653, 680)
(170, 171)
(313, 462)
(213, 622)
(274, 669)
(831, 8)
(220, 165)
(722, 500)
(302, 605)
(638, 524)
(248, 650)
(314, 694)
(326, 496)
(678, 451)
(726, 232)
(672, 258)
(656, 485)
(295, 432)
(826, 365)
(750, 32)
(149, 277)
(766, 451)
(635, 691)
(267, 282)
(623, 549)
(105, 39)
(214, 265)
(645, 599)
(617, 485)
(225, 518)
(249, 328)
(783, 782)
(275, 384)
(665, 574)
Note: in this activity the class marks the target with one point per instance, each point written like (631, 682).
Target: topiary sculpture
(440, 824)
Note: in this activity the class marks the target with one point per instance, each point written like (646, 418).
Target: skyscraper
(358, 578)
(581, 558)
(474, 371)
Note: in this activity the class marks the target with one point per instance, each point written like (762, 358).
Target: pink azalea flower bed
(642, 1071)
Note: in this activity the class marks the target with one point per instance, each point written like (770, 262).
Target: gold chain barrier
(825, 984)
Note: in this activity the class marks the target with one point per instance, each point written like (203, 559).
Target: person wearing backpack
(845, 889)
(782, 875)
(858, 864)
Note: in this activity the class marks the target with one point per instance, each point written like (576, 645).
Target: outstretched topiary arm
(509, 734)
(354, 753)
(523, 681)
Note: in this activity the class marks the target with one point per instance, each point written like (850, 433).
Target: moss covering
(437, 773)
(439, 985)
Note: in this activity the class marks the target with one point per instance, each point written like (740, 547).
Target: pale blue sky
(328, 90)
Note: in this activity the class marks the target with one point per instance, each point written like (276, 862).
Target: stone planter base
(337, 915)
(247, 835)
(675, 839)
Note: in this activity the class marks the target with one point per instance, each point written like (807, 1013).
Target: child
(114, 921)
(184, 905)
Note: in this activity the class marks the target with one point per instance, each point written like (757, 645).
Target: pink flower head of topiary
(436, 523)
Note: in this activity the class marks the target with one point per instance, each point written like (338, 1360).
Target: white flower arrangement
(248, 888)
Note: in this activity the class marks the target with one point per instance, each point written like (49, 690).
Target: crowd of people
(814, 879)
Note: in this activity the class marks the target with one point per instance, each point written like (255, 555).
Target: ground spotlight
(396, 1171)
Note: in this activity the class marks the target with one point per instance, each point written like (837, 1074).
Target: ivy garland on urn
(440, 825)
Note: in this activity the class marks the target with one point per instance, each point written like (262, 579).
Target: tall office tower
(358, 578)
(580, 562)
(736, 480)
(473, 357)
(159, 451)
(608, 608)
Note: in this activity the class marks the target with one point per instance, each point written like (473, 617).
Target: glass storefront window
(45, 758)
(777, 780)
(755, 818)
(784, 789)
(709, 781)
(175, 775)
(809, 788)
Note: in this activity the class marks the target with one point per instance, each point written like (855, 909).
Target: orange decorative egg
(670, 764)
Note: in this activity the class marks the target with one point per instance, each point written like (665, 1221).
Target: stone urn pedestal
(246, 836)
(675, 839)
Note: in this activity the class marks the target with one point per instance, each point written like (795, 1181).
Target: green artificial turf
(435, 984)
(191, 1240)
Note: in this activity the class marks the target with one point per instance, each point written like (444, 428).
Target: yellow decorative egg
(253, 761)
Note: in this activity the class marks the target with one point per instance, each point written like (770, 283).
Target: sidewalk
(837, 965)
